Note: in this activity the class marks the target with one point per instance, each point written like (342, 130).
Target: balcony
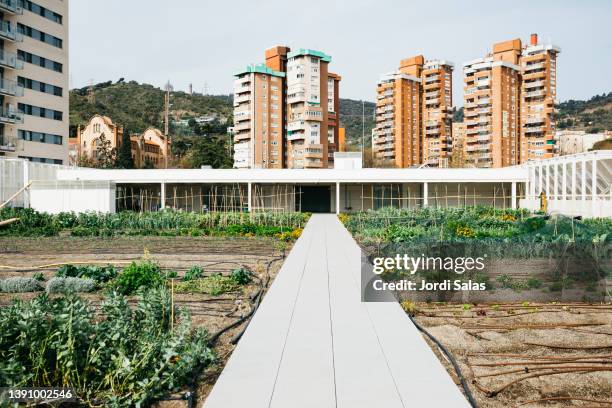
(314, 151)
(534, 84)
(435, 101)
(7, 143)
(9, 32)
(242, 89)
(296, 125)
(292, 136)
(534, 129)
(534, 94)
(534, 119)
(10, 60)
(10, 116)
(532, 67)
(432, 78)
(245, 97)
(11, 7)
(431, 132)
(485, 101)
(242, 126)
(240, 137)
(242, 116)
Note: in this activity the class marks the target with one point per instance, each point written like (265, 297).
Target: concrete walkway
(314, 344)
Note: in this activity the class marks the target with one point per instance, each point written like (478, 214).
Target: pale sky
(204, 42)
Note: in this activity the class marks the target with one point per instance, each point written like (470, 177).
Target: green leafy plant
(534, 283)
(193, 273)
(242, 276)
(39, 276)
(143, 274)
(125, 357)
(99, 274)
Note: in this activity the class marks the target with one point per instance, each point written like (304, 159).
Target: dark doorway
(315, 199)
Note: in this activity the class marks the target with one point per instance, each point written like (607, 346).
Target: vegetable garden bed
(201, 292)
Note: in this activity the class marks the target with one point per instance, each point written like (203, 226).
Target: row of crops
(137, 276)
(118, 354)
(473, 223)
(284, 226)
(522, 250)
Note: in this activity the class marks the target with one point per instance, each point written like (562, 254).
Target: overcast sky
(204, 42)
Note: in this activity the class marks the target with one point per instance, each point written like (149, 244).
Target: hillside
(138, 106)
(593, 115)
(351, 118)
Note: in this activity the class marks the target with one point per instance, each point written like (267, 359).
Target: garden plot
(229, 276)
(529, 355)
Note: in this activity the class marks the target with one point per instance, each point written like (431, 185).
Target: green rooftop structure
(306, 51)
(261, 69)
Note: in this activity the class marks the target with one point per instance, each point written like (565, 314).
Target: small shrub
(242, 276)
(466, 307)
(193, 273)
(70, 285)
(143, 274)
(39, 276)
(211, 285)
(505, 281)
(20, 284)
(534, 283)
(409, 307)
(171, 275)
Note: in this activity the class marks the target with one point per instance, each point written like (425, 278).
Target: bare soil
(527, 354)
(27, 256)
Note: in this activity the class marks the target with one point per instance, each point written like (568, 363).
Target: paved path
(314, 344)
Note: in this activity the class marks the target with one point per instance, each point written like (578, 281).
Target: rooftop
(261, 69)
(306, 51)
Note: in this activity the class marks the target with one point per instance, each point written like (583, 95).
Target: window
(40, 61)
(39, 86)
(42, 11)
(40, 112)
(39, 137)
(39, 35)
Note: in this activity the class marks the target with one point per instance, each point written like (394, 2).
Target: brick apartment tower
(413, 114)
(258, 118)
(509, 104)
(286, 111)
(538, 98)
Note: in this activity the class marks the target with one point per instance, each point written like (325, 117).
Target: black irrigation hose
(450, 357)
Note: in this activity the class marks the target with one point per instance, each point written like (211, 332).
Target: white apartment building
(34, 96)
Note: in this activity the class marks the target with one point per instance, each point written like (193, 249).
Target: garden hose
(450, 357)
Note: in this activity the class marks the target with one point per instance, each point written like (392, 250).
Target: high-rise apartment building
(538, 99)
(286, 111)
(258, 118)
(34, 80)
(413, 114)
(509, 104)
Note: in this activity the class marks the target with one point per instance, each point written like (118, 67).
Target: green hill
(138, 106)
(352, 118)
(593, 115)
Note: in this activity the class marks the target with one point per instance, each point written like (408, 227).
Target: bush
(70, 285)
(534, 283)
(144, 274)
(100, 274)
(193, 273)
(39, 276)
(20, 285)
(241, 276)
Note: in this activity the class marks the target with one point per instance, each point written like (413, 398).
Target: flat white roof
(298, 176)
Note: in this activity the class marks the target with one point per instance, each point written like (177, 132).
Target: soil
(495, 345)
(27, 256)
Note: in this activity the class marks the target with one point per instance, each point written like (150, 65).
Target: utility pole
(166, 121)
(91, 96)
(362, 133)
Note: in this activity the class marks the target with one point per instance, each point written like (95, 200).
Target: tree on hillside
(208, 152)
(124, 157)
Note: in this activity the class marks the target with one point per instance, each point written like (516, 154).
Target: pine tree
(124, 158)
